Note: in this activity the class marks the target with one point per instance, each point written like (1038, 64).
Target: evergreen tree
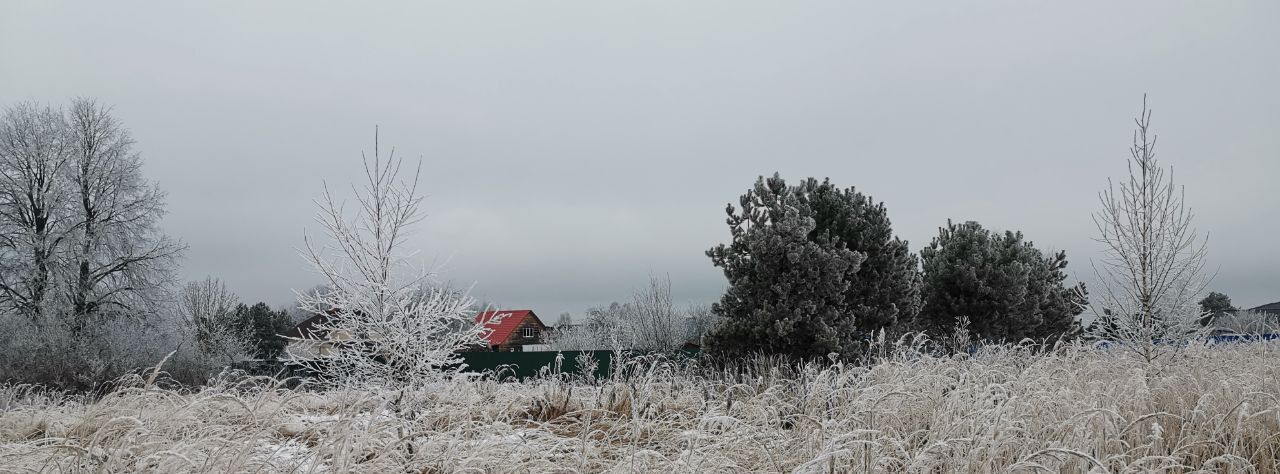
(885, 291)
(787, 283)
(1216, 303)
(263, 326)
(1006, 287)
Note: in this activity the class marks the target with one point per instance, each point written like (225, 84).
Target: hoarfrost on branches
(79, 224)
(206, 310)
(385, 326)
(649, 322)
(1153, 271)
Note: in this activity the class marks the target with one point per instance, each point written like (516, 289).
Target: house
(1272, 309)
(306, 340)
(511, 330)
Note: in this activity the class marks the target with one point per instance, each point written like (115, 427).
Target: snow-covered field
(1075, 410)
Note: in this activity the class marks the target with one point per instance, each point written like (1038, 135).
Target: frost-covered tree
(606, 328)
(603, 318)
(700, 321)
(564, 321)
(885, 291)
(576, 338)
(35, 152)
(1006, 287)
(652, 321)
(80, 223)
(1153, 269)
(386, 332)
(649, 322)
(121, 261)
(788, 286)
(207, 309)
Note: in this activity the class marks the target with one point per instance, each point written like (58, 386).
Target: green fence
(528, 364)
(520, 365)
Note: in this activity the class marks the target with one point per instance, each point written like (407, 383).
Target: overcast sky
(571, 149)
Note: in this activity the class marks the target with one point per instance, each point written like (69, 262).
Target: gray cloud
(572, 149)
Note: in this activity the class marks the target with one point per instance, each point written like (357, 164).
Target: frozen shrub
(384, 326)
(49, 354)
(1246, 322)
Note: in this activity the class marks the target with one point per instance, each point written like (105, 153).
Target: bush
(47, 354)
(1246, 322)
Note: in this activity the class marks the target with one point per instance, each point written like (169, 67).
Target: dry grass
(1004, 409)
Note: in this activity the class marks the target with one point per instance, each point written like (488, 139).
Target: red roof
(502, 323)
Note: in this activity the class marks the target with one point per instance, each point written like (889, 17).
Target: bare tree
(207, 310)
(606, 328)
(575, 338)
(1154, 264)
(80, 223)
(120, 255)
(701, 321)
(386, 329)
(612, 327)
(653, 321)
(34, 153)
(564, 321)
(649, 322)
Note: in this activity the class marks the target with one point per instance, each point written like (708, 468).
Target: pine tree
(787, 283)
(264, 327)
(1006, 287)
(885, 291)
(1216, 303)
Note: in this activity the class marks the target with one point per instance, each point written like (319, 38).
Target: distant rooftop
(1273, 308)
(502, 323)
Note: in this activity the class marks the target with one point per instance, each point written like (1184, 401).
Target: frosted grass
(1073, 409)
